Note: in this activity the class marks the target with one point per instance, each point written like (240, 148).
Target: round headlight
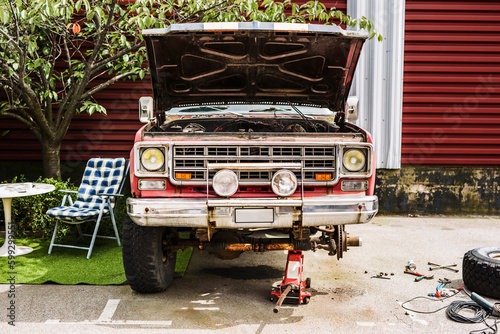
(354, 160)
(152, 159)
(225, 182)
(284, 183)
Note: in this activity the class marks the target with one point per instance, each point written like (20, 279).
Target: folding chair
(101, 185)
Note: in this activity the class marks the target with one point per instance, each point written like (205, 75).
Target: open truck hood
(252, 62)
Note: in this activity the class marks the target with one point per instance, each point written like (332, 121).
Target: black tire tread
(481, 275)
(142, 256)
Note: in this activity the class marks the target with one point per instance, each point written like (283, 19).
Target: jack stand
(292, 289)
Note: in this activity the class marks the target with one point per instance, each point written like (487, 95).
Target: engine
(231, 124)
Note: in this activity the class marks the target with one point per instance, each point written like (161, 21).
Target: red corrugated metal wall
(451, 112)
(451, 92)
(96, 135)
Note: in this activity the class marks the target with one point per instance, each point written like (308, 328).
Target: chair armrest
(106, 192)
(69, 191)
(67, 195)
(113, 194)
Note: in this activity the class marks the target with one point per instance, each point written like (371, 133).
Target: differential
(222, 238)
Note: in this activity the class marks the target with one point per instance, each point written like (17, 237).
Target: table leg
(9, 248)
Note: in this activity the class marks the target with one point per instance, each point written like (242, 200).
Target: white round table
(8, 191)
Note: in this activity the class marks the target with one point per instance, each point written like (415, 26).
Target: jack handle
(282, 298)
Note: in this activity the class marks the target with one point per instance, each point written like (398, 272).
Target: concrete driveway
(217, 296)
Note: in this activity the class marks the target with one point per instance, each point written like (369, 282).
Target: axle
(313, 244)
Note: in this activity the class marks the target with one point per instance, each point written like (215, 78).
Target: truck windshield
(251, 109)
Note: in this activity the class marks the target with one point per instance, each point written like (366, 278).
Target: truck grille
(194, 159)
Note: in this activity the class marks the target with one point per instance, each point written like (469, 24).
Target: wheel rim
(167, 241)
(494, 255)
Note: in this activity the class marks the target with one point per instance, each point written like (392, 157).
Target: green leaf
(4, 15)
(103, 110)
(90, 15)
(100, 13)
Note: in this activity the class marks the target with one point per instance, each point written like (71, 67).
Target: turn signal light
(183, 176)
(323, 176)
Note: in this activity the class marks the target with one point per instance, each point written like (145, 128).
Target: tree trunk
(51, 155)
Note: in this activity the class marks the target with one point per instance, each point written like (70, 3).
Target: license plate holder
(254, 215)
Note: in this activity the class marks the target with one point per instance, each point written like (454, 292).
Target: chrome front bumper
(244, 213)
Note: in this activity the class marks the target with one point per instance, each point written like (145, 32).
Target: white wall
(378, 81)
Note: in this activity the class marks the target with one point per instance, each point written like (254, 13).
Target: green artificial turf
(70, 266)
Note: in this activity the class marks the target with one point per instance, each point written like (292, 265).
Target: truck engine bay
(254, 124)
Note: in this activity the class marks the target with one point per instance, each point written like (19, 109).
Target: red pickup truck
(247, 146)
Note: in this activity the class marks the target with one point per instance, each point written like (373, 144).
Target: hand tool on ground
(381, 276)
(411, 272)
(438, 266)
(441, 285)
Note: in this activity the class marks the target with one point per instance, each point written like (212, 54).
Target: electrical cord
(453, 311)
(455, 307)
(428, 298)
(493, 327)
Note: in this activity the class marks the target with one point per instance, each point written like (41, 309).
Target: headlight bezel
(366, 171)
(140, 170)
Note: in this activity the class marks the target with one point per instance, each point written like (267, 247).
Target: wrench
(442, 267)
(417, 274)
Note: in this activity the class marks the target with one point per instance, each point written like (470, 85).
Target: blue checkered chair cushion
(101, 176)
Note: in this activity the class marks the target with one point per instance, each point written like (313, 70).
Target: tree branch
(32, 126)
(76, 48)
(68, 58)
(63, 104)
(13, 76)
(11, 41)
(15, 21)
(106, 84)
(100, 65)
(101, 36)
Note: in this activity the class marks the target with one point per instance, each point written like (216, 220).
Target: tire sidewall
(483, 253)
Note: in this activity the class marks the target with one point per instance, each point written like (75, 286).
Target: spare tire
(481, 271)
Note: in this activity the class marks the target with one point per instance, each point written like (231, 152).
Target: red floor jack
(292, 289)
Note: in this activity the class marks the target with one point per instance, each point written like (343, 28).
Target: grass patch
(70, 266)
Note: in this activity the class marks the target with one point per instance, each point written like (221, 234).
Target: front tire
(149, 265)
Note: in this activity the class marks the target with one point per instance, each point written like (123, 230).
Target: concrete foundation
(439, 190)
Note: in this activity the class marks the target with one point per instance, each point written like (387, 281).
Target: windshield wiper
(203, 109)
(235, 113)
(307, 120)
(273, 109)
